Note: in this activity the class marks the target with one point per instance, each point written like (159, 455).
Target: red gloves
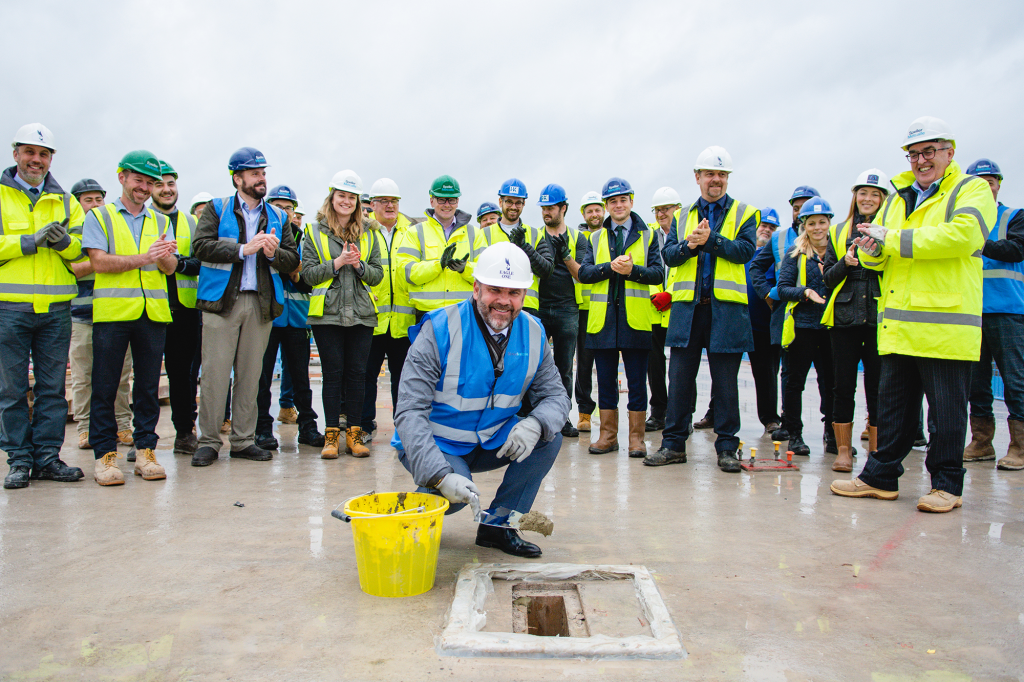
(662, 301)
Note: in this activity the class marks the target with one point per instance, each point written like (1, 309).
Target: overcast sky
(573, 93)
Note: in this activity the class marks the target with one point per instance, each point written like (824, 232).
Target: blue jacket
(1003, 272)
(296, 296)
(764, 273)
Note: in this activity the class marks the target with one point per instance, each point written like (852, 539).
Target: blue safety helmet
(615, 187)
(815, 206)
(551, 195)
(985, 167)
(485, 208)
(283, 192)
(246, 158)
(513, 187)
(803, 191)
(768, 215)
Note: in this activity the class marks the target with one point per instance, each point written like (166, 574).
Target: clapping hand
(851, 256)
(699, 236)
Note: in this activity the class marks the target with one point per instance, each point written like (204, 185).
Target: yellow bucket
(396, 555)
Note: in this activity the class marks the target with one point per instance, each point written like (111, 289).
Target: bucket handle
(348, 519)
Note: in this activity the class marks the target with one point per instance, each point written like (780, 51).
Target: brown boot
(354, 442)
(1014, 460)
(872, 440)
(844, 434)
(637, 426)
(980, 448)
(331, 436)
(866, 433)
(584, 423)
(609, 438)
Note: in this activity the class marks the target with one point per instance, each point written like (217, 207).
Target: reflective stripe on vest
(188, 285)
(1004, 282)
(449, 286)
(789, 325)
(125, 296)
(322, 247)
(839, 234)
(730, 279)
(395, 313)
(637, 296)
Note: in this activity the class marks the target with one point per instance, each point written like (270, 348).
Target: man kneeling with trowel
(464, 380)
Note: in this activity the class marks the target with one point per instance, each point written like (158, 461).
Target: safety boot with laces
(331, 437)
(124, 437)
(106, 471)
(147, 466)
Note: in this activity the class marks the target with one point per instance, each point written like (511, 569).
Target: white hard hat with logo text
(504, 265)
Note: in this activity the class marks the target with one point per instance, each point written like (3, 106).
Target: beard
(257, 190)
(493, 320)
(159, 202)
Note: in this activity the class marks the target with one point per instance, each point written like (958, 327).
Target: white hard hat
(201, 198)
(504, 265)
(873, 177)
(34, 133)
(714, 158)
(928, 128)
(298, 207)
(385, 187)
(665, 196)
(347, 181)
(591, 198)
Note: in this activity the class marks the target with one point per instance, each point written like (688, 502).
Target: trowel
(502, 518)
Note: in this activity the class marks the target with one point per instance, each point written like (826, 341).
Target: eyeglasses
(661, 210)
(514, 203)
(387, 202)
(928, 153)
(445, 201)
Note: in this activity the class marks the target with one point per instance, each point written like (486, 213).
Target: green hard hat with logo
(141, 161)
(167, 169)
(445, 186)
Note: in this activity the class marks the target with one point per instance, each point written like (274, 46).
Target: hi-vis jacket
(419, 257)
(395, 313)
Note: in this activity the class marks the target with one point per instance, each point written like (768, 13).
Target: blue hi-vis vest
(213, 277)
(1004, 282)
(296, 303)
(471, 407)
(780, 247)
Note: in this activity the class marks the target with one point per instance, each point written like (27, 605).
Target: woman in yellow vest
(341, 261)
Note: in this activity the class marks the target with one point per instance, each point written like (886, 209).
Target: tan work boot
(980, 448)
(331, 436)
(106, 471)
(637, 427)
(83, 442)
(354, 442)
(147, 466)
(124, 437)
(939, 501)
(844, 434)
(857, 488)
(1014, 460)
(866, 433)
(872, 440)
(608, 441)
(584, 423)
(226, 426)
(288, 415)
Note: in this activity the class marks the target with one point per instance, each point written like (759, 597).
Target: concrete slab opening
(548, 610)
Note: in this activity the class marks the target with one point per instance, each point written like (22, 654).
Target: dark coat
(857, 302)
(763, 276)
(807, 314)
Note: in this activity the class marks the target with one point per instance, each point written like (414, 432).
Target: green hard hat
(167, 169)
(141, 161)
(445, 186)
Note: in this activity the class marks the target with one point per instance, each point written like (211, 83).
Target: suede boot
(637, 425)
(354, 442)
(980, 448)
(1014, 460)
(331, 436)
(844, 459)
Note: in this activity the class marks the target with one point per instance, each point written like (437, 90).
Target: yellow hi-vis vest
(789, 324)
(430, 285)
(125, 296)
(395, 313)
(322, 247)
(584, 289)
(494, 234)
(730, 283)
(658, 317)
(638, 296)
(839, 234)
(187, 284)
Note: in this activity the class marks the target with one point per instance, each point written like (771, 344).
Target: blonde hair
(802, 244)
(349, 232)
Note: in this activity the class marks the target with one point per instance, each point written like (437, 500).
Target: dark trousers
(657, 372)
(293, 343)
(181, 342)
(947, 384)
(110, 342)
(634, 361)
(383, 345)
(45, 337)
(682, 379)
(851, 345)
(809, 346)
(764, 365)
(344, 352)
(584, 368)
(1002, 340)
(562, 326)
(286, 398)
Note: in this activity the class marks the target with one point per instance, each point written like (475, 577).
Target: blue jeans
(522, 479)
(1002, 340)
(47, 338)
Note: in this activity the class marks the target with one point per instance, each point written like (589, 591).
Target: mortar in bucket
(396, 552)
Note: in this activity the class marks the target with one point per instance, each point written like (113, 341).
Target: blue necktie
(35, 191)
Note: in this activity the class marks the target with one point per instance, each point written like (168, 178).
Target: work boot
(204, 456)
(1014, 460)
(17, 478)
(354, 442)
(654, 424)
(844, 460)
(637, 448)
(308, 435)
(124, 437)
(939, 501)
(83, 442)
(866, 433)
(771, 427)
(570, 431)
(780, 434)
(186, 445)
(106, 471)
(706, 422)
(254, 453)
(148, 467)
(226, 426)
(58, 471)
(665, 456)
(828, 439)
(583, 425)
(980, 448)
(728, 462)
(331, 436)
(343, 421)
(288, 415)
(858, 488)
(266, 441)
(608, 441)
(798, 446)
(872, 440)
(367, 435)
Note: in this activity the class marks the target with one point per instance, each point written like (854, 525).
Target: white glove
(457, 488)
(876, 232)
(521, 440)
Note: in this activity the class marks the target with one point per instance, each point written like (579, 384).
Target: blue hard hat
(485, 208)
(985, 167)
(815, 206)
(513, 187)
(246, 158)
(551, 195)
(615, 187)
(282, 192)
(802, 192)
(768, 215)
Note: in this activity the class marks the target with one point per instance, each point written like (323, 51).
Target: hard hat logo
(42, 138)
(513, 190)
(873, 179)
(915, 133)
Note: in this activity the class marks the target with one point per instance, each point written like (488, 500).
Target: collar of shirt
(923, 194)
(245, 206)
(704, 204)
(121, 207)
(18, 179)
(503, 332)
(628, 224)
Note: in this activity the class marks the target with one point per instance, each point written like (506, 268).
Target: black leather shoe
(798, 446)
(707, 422)
(727, 461)
(507, 540)
(920, 441)
(780, 434)
(204, 456)
(58, 471)
(569, 431)
(266, 441)
(665, 456)
(310, 436)
(654, 424)
(186, 445)
(253, 452)
(19, 475)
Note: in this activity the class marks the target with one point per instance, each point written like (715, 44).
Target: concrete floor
(768, 577)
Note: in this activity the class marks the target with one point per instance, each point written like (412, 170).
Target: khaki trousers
(81, 380)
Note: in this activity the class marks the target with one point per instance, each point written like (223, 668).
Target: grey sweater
(348, 300)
